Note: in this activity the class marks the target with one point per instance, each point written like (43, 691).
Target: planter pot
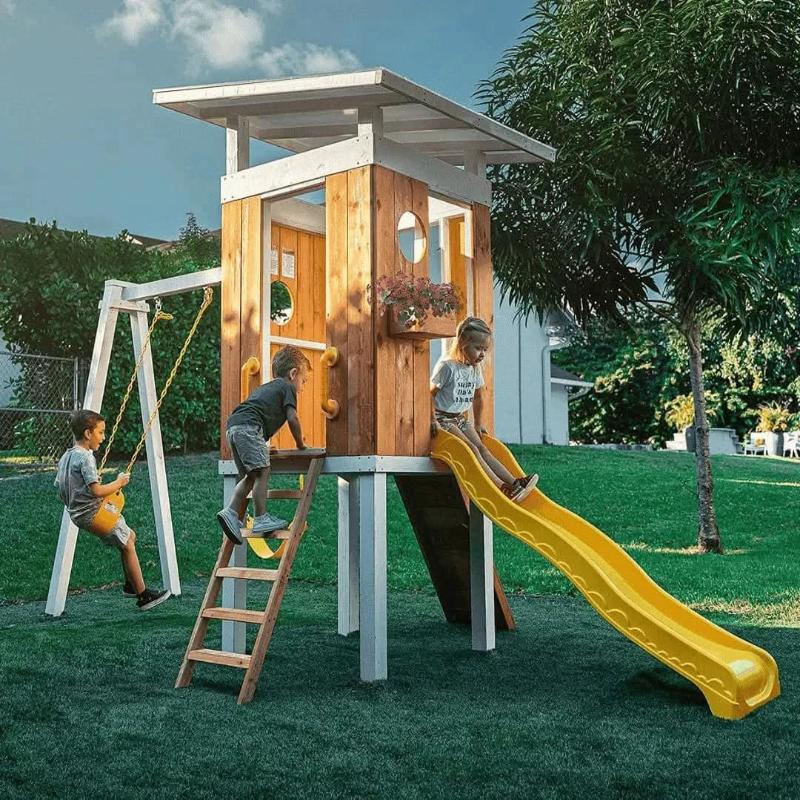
(432, 328)
(774, 442)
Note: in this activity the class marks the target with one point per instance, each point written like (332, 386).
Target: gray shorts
(248, 446)
(119, 536)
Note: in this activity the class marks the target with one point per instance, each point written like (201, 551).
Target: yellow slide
(735, 676)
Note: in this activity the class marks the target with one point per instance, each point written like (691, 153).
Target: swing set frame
(131, 299)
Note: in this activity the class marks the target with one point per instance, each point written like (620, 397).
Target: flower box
(431, 328)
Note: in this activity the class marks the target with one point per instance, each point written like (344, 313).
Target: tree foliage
(51, 283)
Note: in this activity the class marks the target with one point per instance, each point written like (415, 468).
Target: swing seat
(108, 514)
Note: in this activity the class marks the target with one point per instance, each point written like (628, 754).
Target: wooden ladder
(252, 663)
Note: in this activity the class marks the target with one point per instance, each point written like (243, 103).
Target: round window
(282, 305)
(411, 237)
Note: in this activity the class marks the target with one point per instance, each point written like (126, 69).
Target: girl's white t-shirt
(457, 384)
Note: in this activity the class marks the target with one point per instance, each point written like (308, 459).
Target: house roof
(300, 114)
(565, 378)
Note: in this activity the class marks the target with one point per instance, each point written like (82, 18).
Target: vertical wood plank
(404, 350)
(230, 363)
(252, 269)
(336, 305)
(385, 263)
(421, 410)
(483, 283)
(303, 312)
(360, 342)
(289, 246)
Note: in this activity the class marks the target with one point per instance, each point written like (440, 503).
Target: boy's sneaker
(266, 523)
(149, 599)
(230, 523)
(128, 590)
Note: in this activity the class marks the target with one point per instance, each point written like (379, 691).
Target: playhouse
(400, 167)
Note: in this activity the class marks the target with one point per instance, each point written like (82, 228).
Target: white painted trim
(267, 217)
(93, 399)
(302, 171)
(565, 382)
(370, 121)
(156, 466)
(372, 575)
(127, 307)
(354, 465)
(299, 343)
(175, 285)
(348, 558)
(481, 577)
(299, 214)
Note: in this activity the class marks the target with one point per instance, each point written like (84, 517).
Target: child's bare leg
(260, 486)
(238, 500)
(454, 429)
(494, 465)
(130, 565)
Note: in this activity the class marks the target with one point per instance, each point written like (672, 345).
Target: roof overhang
(301, 114)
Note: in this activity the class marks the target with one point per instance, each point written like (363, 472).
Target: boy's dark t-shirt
(266, 406)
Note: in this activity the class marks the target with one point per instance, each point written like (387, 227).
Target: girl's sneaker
(520, 488)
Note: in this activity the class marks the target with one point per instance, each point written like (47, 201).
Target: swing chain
(208, 296)
(159, 315)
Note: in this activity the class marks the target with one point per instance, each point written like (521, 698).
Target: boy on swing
(82, 492)
(248, 430)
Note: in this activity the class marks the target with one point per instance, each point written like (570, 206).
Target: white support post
(475, 162)
(347, 573)
(237, 145)
(234, 591)
(481, 580)
(156, 467)
(372, 567)
(370, 121)
(93, 399)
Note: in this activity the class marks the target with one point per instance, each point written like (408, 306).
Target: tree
(676, 185)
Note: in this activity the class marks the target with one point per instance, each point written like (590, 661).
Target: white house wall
(559, 415)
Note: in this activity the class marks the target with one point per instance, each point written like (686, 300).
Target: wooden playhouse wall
(381, 382)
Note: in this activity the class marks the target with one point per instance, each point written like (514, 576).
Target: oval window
(281, 303)
(411, 237)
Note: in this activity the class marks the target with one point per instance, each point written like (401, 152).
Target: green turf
(564, 708)
(643, 500)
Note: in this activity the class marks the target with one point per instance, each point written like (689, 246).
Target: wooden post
(93, 399)
(372, 565)
(156, 467)
(347, 572)
(481, 569)
(234, 590)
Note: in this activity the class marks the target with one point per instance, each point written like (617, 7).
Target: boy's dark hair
(84, 420)
(286, 359)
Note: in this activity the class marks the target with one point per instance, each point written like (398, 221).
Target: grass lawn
(565, 707)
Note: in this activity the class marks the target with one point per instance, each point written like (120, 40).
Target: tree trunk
(708, 539)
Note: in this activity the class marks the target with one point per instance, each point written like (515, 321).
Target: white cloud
(300, 58)
(220, 35)
(136, 18)
(8, 6)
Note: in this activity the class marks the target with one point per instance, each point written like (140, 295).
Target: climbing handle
(327, 360)
(250, 368)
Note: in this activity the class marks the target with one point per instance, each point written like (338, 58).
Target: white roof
(300, 114)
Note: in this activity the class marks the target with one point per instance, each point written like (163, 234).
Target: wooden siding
(483, 291)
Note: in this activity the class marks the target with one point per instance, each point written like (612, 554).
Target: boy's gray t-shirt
(457, 385)
(77, 470)
(266, 407)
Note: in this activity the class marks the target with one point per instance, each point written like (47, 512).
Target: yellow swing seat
(108, 514)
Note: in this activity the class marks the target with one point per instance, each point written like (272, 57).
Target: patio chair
(791, 444)
(756, 445)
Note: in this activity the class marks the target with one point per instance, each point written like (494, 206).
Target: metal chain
(159, 316)
(208, 296)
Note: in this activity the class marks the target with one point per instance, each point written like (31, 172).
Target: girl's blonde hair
(467, 327)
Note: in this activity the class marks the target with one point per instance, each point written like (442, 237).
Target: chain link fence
(37, 395)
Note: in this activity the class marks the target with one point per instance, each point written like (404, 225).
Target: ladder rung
(237, 614)
(284, 494)
(248, 574)
(247, 533)
(240, 660)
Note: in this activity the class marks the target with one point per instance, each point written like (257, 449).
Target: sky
(81, 142)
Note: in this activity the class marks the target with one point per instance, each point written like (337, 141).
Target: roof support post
(237, 144)
(370, 121)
